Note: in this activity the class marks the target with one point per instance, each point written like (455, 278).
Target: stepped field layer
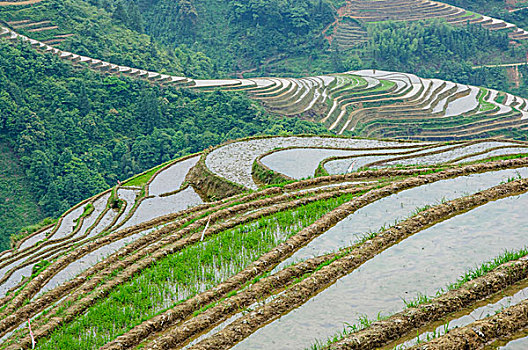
(369, 103)
(291, 242)
(209, 250)
(349, 30)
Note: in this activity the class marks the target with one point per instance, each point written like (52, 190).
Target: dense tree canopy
(239, 34)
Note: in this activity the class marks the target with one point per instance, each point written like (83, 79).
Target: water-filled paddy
(387, 211)
(423, 263)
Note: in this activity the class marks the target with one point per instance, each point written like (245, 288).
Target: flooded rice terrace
(385, 212)
(513, 296)
(421, 264)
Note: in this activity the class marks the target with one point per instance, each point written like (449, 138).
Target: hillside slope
(99, 29)
(369, 102)
(78, 132)
(240, 35)
(169, 234)
(156, 262)
(18, 206)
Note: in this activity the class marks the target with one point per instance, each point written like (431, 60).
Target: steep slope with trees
(240, 34)
(77, 132)
(103, 30)
(18, 206)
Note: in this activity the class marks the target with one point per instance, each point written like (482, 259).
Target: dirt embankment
(304, 290)
(174, 242)
(217, 211)
(175, 316)
(135, 263)
(382, 332)
(210, 186)
(284, 250)
(477, 334)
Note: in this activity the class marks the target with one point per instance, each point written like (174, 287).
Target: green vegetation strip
(180, 276)
(297, 241)
(484, 105)
(97, 273)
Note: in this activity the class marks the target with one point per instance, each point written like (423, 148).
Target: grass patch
(506, 157)
(88, 209)
(142, 179)
(486, 267)
(28, 230)
(484, 105)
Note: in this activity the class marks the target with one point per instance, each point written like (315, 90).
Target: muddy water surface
(450, 155)
(159, 206)
(89, 260)
(343, 166)
(302, 162)
(36, 238)
(172, 178)
(129, 196)
(99, 207)
(494, 153)
(515, 295)
(68, 223)
(397, 207)
(517, 344)
(423, 263)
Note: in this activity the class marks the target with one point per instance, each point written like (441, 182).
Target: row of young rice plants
(364, 322)
(181, 276)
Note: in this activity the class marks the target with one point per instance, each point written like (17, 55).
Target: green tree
(149, 110)
(120, 12)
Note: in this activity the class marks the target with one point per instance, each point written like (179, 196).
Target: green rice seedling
(182, 275)
(418, 300)
(141, 179)
(26, 231)
(488, 266)
(484, 106)
(446, 327)
(517, 176)
(362, 323)
(39, 267)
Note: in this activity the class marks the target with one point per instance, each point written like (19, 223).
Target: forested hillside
(497, 8)
(70, 125)
(219, 39)
(106, 31)
(240, 35)
(18, 206)
(434, 49)
(262, 38)
(77, 132)
(220, 174)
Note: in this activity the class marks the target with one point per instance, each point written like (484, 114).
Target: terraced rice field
(249, 245)
(412, 242)
(365, 11)
(368, 103)
(349, 29)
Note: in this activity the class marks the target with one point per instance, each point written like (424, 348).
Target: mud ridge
(383, 332)
(304, 290)
(477, 334)
(131, 264)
